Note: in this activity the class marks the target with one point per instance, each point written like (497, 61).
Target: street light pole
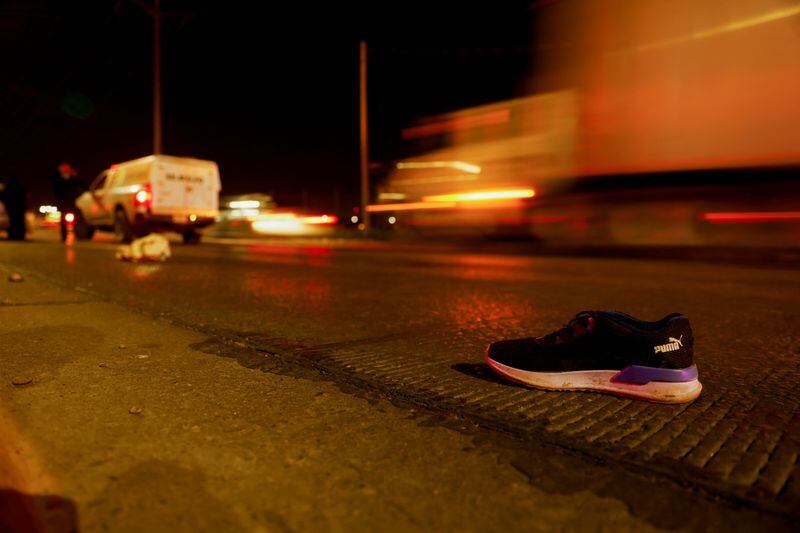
(157, 77)
(155, 12)
(364, 135)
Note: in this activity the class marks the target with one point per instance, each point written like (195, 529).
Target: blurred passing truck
(654, 123)
(153, 193)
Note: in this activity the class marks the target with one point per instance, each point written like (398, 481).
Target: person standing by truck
(66, 189)
(13, 196)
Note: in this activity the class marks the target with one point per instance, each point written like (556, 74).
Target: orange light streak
(322, 219)
(294, 218)
(410, 206)
(477, 196)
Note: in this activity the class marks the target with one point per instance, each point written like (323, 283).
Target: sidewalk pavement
(110, 419)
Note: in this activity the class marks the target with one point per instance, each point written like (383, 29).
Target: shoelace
(582, 324)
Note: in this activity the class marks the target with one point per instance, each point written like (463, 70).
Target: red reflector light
(143, 197)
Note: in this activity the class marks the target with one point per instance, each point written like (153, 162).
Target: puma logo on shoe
(672, 345)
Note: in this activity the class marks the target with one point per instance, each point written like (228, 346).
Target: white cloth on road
(152, 247)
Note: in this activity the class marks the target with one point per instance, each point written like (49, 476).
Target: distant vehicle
(153, 193)
(236, 214)
(244, 207)
(294, 224)
(256, 214)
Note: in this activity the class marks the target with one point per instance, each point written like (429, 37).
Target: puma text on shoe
(671, 346)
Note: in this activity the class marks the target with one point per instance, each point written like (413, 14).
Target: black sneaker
(606, 351)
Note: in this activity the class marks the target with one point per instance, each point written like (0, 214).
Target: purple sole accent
(641, 375)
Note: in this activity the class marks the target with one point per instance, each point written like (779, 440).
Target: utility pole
(155, 12)
(156, 77)
(364, 135)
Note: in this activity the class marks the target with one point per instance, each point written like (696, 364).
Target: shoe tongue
(583, 322)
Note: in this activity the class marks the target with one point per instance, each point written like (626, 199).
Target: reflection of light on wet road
(145, 271)
(69, 255)
(309, 255)
(289, 290)
(486, 268)
(479, 309)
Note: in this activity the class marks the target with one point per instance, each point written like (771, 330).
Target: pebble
(21, 380)
(142, 356)
(121, 346)
(15, 277)
(135, 410)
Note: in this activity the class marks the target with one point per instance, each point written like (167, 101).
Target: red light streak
(765, 216)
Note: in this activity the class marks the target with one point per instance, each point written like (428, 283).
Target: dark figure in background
(66, 187)
(12, 194)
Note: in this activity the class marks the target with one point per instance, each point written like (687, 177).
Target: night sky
(268, 90)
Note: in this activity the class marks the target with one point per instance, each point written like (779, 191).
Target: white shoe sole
(601, 381)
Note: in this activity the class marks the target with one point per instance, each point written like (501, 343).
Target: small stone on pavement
(21, 380)
(135, 410)
(15, 277)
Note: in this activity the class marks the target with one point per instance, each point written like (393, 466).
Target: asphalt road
(412, 323)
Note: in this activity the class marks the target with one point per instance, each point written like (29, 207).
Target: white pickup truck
(153, 193)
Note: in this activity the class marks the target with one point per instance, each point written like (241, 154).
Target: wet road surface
(413, 324)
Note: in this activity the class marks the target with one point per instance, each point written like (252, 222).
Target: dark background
(269, 90)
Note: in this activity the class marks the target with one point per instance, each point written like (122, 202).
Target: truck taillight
(143, 197)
